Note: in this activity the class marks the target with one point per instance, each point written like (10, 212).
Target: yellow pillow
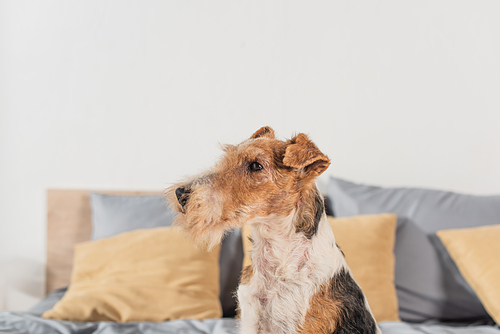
(368, 244)
(476, 251)
(143, 275)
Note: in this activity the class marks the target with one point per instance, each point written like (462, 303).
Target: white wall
(135, 94)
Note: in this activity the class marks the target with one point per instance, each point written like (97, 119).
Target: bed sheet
(23, 322)
(407, 328)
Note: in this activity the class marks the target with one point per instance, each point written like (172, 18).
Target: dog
(298, 281)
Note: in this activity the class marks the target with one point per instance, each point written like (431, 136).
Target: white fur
(288, 270)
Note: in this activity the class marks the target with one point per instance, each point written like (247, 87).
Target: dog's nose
(182, 194)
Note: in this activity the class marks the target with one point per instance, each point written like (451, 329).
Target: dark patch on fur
(329, 206)
(320, 209)
(340, 249)
(354, 317)
(310, 217)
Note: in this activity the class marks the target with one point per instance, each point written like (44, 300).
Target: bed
(71, 220)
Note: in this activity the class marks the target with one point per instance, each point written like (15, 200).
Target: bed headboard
(68, 223)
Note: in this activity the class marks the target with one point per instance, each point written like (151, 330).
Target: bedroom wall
(134, 95)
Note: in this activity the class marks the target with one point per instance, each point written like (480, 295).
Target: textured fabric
(476, 251)
(17, 323)
(406, 328)
(368, 243)
(114, 214)
(429, 286)
(25, 323)
(142, 275)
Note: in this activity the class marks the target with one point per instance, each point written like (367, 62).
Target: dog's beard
(207, 232)
(203, 219)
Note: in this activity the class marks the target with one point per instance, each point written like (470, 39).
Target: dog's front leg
(248, 311)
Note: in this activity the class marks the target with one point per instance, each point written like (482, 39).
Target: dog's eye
(255, 167)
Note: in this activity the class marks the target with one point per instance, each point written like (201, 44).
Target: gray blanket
(406, 328)
(22, 322)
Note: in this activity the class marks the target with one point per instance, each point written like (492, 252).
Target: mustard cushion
(144, 275)
(368, 244)
(476, 252)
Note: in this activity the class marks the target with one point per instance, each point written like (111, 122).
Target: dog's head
(260, 177)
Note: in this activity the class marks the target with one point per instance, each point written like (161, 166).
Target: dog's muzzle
(182, 194)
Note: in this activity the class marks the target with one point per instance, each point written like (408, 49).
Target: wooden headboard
(68, 223)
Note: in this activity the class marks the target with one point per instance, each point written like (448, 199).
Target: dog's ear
(263, 132)
(302, 153)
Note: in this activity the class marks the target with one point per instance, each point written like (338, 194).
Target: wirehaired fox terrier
(299, 281)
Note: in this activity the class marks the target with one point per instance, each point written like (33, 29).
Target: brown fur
(307, 217)
(323, 314)
(229, 195)
(246, 274)
(339, 308)
(301, 153)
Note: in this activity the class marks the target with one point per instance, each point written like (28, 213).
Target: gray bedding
(17, 322)
(406, 328)
(21, 323)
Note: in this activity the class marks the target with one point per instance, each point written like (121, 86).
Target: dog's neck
(310, 209)
(278, 249)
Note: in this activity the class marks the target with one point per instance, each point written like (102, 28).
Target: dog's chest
(281, 286)
(281, 304)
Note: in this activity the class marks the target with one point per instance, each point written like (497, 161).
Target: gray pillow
(113, 214)
(428, 283)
